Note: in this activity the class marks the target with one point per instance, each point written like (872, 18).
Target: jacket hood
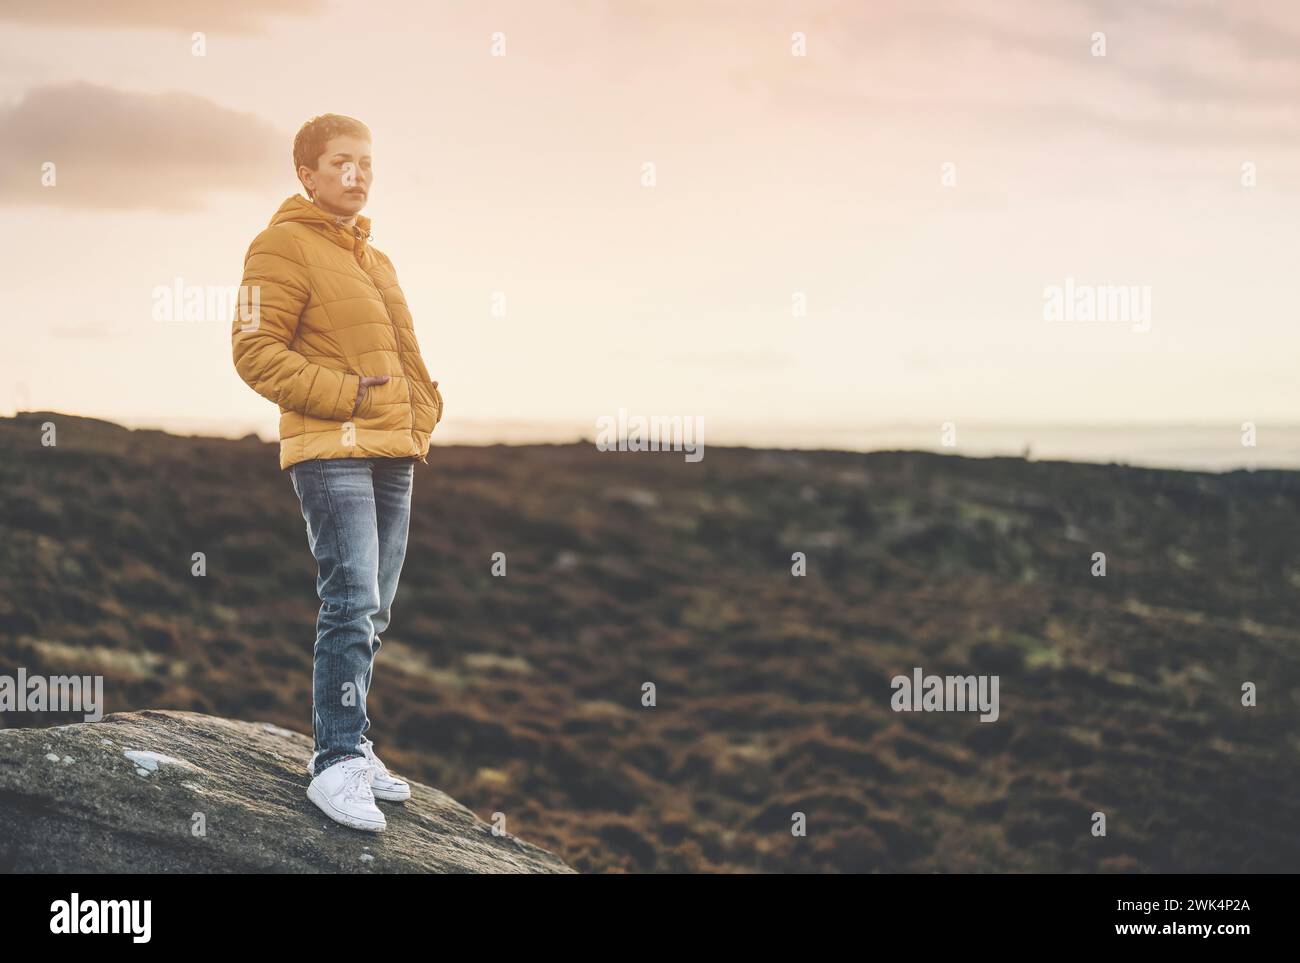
(297, 208)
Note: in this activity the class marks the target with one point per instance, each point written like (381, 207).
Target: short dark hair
(310, 141)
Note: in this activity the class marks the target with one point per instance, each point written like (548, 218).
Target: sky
(855, 213)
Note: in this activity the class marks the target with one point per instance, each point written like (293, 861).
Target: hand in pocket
(366, 382)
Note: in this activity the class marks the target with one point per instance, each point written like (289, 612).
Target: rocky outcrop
(163, 792)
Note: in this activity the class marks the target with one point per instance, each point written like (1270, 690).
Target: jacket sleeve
(273, 295)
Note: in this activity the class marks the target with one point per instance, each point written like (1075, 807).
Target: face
(341, 181)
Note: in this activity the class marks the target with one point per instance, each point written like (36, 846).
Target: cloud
(1184, 74)
(116, 150)
(233, 16)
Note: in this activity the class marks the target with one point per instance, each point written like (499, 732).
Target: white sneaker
(343, 793)
(383, 783)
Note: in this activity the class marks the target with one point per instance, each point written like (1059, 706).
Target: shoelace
(379, 767)
(358, 786)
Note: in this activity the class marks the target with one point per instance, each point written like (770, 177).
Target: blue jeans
(358, 512)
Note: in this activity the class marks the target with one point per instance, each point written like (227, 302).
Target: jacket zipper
(397, 334)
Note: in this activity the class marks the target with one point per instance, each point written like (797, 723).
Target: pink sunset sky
(780, 180)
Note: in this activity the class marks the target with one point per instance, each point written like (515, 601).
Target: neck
(343, 220)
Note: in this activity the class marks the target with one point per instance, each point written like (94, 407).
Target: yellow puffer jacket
(323, 308)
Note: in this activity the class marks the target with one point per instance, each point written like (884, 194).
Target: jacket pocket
(366, 407)
(437, 402)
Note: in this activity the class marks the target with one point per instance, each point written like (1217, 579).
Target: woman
(331, 341)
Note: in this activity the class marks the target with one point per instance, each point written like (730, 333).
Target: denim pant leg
(338, 504)
(393, 480)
